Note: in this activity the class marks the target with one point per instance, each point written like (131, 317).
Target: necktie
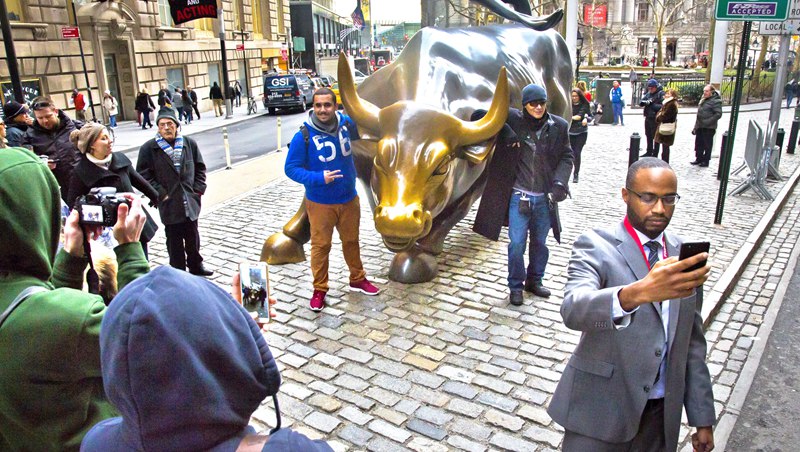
(652, 258)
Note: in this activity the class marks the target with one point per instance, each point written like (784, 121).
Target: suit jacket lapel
(630, 251)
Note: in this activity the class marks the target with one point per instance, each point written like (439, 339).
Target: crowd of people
(625, 284)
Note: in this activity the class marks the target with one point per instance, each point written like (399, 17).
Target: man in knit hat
(651, 102)
(17, 122)
(527, 176)
(174, 167)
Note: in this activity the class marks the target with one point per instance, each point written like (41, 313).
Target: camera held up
(99, 207)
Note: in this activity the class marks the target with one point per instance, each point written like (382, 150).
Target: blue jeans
(617, 107)
(537, 223)
(112, 119)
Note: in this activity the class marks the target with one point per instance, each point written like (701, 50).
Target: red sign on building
(70, 33)
(239, 46)
(597, 17)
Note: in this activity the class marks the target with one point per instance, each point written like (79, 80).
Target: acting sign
(741, 10)
(186, 10)
(31, 89)
(597, 17)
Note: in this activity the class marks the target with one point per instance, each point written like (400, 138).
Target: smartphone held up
(254, 281)
(690, 249)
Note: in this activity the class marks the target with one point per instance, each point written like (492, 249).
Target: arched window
(14, 8)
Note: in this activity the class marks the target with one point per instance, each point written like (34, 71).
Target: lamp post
(655, 48)
(753, 48)
(578, 48)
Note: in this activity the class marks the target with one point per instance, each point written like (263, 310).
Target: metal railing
(690, 88)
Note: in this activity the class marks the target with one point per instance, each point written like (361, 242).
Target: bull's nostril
(378, 211)
(417, 215)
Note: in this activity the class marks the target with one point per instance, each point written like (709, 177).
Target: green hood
(30, 215)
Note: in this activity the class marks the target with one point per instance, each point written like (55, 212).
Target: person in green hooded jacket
(51, 389)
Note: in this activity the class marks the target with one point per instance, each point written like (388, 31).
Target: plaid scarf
(174, 153)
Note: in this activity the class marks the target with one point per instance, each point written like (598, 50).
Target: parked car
(287, 91)
(329, 80)
(358, 77)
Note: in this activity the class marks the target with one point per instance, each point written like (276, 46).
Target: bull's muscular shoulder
(560, 122)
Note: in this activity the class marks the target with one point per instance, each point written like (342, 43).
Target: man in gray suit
(641, 356)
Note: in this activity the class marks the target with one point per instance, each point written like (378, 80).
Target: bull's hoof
(413, 267)
(282, 249)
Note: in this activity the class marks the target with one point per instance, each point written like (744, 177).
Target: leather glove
(559, 192)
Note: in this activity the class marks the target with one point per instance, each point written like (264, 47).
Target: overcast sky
(393, 10)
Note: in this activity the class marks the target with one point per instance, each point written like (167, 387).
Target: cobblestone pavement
(449, 364)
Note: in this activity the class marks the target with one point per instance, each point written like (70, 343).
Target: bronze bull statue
(422, 159)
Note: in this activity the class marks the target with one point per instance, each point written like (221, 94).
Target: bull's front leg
(286, 247)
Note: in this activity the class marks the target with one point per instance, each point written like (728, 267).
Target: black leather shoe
(537, 289)
(703, 165)
(516, 298)
(696, 162)
(202, 271)
(646, 155)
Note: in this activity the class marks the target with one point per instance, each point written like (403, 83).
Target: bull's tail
(521, 15)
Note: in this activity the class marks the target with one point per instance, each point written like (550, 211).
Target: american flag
(358, 16)
(346, 32)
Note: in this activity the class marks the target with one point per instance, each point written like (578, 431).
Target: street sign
(794, 9)
(284, 54)
(239, 46)
(787, 27)
(742, 10)
(70, 33)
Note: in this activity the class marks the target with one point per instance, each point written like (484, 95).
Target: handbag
(667, 128)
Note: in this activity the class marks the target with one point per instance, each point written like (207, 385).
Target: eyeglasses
(41, 105)
(537, 103)
(650, 199)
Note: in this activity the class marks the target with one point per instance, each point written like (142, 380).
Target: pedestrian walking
(527, 176)
(144, 105)
(193, 98)
(111, 108)
(49, 136)
(617, 103)
(709, 111)
(237, 92)
(585, 90)
(187, 106)
(320, 157)
(164, 97)
(651, 101)
(641, 358)
(578, 130)
(216, 98)
(17, 120)
(667, 120)
(633, 77)
(796, 91)
(80, 105)
(100, 166)
(173, 165)
(177, 103)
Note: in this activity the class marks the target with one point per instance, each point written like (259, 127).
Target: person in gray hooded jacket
(705, 126)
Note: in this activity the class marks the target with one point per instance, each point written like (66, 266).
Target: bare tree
(670, 12)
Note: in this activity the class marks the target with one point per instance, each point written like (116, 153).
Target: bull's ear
(477, 153)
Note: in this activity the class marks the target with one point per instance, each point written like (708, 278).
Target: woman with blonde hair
(667, 120)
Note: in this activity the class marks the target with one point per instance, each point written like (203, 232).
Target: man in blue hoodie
(320, 158)
(186, 366)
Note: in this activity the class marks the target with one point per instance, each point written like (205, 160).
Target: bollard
(779, 138)
(722, 155)
(633, 150)
(279, 135)
(793, 137)
(227, 147)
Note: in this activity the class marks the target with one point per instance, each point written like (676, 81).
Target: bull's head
(418, 151)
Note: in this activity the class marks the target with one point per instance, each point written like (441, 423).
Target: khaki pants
(218, 107)
(345, 218)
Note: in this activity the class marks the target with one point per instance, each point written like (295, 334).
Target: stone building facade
(131, 45)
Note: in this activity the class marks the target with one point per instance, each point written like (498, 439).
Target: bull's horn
(363, 113)
(489, 125)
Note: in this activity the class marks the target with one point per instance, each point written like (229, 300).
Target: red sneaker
(317, 301)
(365, 287)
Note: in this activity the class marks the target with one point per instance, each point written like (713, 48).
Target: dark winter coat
(120, 175)
(193, 97)
(655, 99)
(144, 103)
(667, 114)
(14, 133)
(583, 110)
(215, 92)
(173, 188)
(164, 97)
(56, 146)
(708, 112)
(554, 156)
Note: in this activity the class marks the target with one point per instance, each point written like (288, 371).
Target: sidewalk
(449, 364)
(130, 135)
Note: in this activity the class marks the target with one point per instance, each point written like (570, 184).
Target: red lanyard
(635, 236)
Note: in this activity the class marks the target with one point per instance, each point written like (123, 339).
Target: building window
(236, 7)
(204, 27)
(164, 17)
(700, 45)
(642, 46)
(642, 11)
(281, 18)
(14, 8)
(258, 26)
(175, 79)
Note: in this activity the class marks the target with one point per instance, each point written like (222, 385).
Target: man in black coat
(172, 164)
(193, 98)
(526, 177)
(49, 136)
(651, 101)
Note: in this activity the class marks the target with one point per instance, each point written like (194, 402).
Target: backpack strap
(306, 135)
(27, 292)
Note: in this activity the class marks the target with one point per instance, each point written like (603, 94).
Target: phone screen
(690, 249)
(254, 281)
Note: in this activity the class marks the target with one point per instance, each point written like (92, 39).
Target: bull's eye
(442, 168)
